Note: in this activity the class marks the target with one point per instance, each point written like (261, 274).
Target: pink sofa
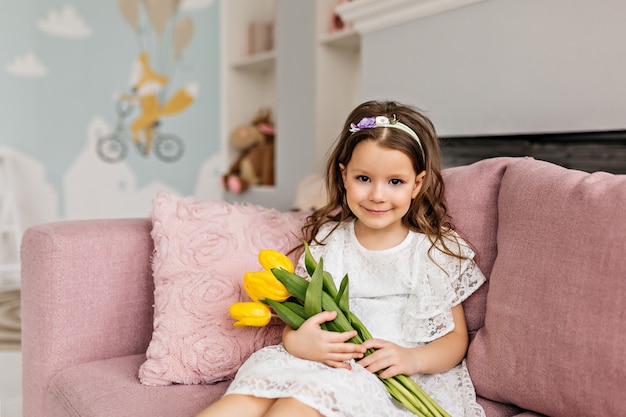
(548, 331)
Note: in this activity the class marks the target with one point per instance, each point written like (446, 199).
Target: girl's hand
(392, 359)
(435, 357)
(312, 343)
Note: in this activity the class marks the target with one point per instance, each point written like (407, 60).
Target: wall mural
(67, 68)
(158, 27)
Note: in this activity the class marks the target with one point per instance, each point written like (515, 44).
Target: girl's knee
(235, 404)
(288, 407)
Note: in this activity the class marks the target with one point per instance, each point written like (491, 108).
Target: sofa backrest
(472, 197)
(555, 325)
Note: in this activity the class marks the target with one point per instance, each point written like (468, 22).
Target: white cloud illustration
(36, 197)
(209, 181)
(27, 66)
(190, 5)
(95, 189)
(64, 24)
(35, 202)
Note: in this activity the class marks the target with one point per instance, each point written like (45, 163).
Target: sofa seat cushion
(554, 334)
(111, 387)
(496, 409)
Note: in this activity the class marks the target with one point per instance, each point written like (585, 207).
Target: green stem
(409, 396)
(413, 386)
(406, 404)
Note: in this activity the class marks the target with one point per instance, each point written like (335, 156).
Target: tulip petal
(270, 258)
(250, 314)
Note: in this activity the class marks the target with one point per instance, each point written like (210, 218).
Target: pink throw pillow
(202, 250)
(554, 333)
(472, 198)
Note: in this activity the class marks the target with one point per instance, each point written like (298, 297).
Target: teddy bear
(255, 163)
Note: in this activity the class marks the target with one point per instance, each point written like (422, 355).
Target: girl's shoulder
(332, 236)
(332, 229)
(456, 246)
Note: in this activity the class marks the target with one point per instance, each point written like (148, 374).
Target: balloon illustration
(162, 36)
(175, 4)
(159, 19)
(183, 32)
(130, 12)
(159, 12)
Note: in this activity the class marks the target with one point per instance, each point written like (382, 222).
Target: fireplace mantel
(372, 15)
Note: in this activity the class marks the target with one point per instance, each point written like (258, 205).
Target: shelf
(347, 38)
(372, 15)
(263, 61)
(313, 71)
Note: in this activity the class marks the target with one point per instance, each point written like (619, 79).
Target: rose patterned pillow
(201, 251)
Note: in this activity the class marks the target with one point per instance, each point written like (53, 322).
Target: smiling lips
(372, 211)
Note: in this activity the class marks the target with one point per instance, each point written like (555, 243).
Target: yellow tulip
(250, 314)
(269, 258)
(262, 285)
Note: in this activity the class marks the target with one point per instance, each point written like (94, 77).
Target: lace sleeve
(300, 269)
(463, 274)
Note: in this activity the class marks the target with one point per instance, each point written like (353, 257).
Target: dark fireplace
(587, 151)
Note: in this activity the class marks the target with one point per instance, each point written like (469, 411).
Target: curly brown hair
(427, 213)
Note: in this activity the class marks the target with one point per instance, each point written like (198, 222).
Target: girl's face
(380, 184)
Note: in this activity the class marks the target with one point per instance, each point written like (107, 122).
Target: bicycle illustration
(114, 146)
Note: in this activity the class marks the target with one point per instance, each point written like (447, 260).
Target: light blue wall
(47, 118)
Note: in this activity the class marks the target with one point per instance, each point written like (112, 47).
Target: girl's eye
(396, 181)
(363, 178)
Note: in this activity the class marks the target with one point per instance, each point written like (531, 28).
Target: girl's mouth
(372, 211)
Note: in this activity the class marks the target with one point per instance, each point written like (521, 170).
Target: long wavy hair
(427, 212)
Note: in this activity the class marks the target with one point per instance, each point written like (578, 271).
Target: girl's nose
(377, 193)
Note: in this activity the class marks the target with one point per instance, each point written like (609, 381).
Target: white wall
(507, 66)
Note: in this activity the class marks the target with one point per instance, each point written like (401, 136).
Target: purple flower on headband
(370, 122)
(366, 123)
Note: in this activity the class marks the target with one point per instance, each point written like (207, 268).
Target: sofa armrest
(87, 294)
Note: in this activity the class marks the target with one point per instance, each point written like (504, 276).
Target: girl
(385, 225)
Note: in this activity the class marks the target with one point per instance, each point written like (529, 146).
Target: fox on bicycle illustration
(144, 130)
(149, 91)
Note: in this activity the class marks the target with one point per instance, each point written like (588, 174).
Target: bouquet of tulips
(294, 299)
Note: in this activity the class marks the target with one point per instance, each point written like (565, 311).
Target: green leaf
(359, 326)
(342, 298)
(328, 304)
(288, 312)
(313, 297)
(329, 284)
(311, 266)
(309, 261)
(295, 284)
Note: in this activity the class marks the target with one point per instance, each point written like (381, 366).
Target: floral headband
(383, 121)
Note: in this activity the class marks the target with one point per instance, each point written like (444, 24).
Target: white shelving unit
(248, 81)
(251, 82)
(338, 78)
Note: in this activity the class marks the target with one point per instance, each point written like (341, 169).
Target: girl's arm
(437, 356)
(312, 343)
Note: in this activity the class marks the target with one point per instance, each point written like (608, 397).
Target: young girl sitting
(385, 225)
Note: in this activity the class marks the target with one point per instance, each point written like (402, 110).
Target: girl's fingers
(322, 317)
(374, 344)
(344, 337)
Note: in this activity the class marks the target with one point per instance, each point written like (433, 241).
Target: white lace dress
(400, 295)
